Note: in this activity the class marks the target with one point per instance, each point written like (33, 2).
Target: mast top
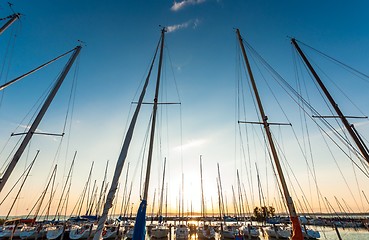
(163, 28)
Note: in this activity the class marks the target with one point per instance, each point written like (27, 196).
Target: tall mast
(182, 196)
(360, 144)
(162, 191)
(51, 193)
(153, 123)
(139, 229)
(99, 203)
(297, 232)
(85, 189)
(38, 118)
(57, 213)
(5, 85)
(221, 193)
(124, 199)
(202, 191)
(122, 157)
(12, 19)
(24, 180)
(153, 207)
(242, 209)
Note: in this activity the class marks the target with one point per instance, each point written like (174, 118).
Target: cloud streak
(190, 23)
(182, 4)
(191, 144)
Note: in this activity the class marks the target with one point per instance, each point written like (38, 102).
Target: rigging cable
(304, 124)
(8, 58)
(273, 70)
(238, 110)
(293, 91)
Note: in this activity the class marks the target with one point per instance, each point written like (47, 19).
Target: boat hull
(279, 233)
(159, 232)
(182, 232)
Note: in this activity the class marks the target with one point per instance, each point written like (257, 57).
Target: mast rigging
(349, 127)
(297, 232)
(38, 118)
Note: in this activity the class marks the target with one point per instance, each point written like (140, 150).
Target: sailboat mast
(99, 203)
(51, 193)
(202, 191)
(363, 149)
(297, 232)
(153, 123)
(12, 19)
(38, 118)
(122, 156)
(85, 189)
(57, 213)
(20, 189)
(139, 228)
(162, 191)
(242, 209)
(5, 85)
(221, 192)
(124, 192)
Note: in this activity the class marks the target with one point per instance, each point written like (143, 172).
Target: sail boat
(39, 230)
(57, 231)
(161, 230)
(181, 229)
(296, 227)
(205, 231)
(87, 228)
(363, 149)
(12, 18)
(139, 228)
(36, 122)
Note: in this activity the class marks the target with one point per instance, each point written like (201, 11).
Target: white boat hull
(206, 233)
(32, 233)
(311, 234)
(252, 232)
(54, 232)
(182, 232)
(129, 234)
(110, 233)
(159, 232)
(278, 233)
(83, 232)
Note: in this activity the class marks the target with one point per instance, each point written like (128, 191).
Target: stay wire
(303, 116)
(363, 76)
(276, 142)
(7, 59)
(300, 146)
(293, 91)
(242, 95)
(264, 136)
(344, 135)
(35, 108)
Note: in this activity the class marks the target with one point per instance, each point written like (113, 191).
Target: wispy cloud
(190, 23)
(27, 127)
(184, 3)
(191, 144)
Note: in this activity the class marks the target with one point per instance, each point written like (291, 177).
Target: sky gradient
(202, 72)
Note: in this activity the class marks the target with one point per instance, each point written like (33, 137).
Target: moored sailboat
(204, 231)
(279, 232)
(161, 230)
(296, 227)
(250, 231)
(83, 231)
(141, 215)
(182, 232)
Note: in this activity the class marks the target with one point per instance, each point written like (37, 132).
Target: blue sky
(120, 38)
